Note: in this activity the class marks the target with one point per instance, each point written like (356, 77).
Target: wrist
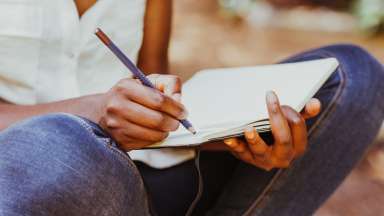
(92, 107)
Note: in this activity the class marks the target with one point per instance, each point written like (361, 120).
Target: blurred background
(227, 33)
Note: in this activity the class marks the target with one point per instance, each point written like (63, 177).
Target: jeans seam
(117, 152)
(312, 131)
(124, 157)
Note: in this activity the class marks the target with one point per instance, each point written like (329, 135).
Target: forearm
(86, 106)
(153, 55)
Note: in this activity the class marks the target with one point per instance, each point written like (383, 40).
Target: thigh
(352, 113)
(60, 164)
(172, 190)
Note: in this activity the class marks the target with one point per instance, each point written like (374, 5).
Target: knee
(356, 62)
(48, 122)
(347, 54)
(44, 125)
(59, 154)
(52, 132)
(352, 49)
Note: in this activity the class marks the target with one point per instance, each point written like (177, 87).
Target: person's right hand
(136, 116)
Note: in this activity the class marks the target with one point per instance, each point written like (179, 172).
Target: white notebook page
(232, 97)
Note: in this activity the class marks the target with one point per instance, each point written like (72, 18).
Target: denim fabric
(60, 164)
(353, 109)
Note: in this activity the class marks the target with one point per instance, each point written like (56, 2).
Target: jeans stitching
(312, 131)
(106, 144)
(113, 150)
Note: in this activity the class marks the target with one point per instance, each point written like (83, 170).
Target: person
(70, 112)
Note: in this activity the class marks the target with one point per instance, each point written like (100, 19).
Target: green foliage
(370, 14)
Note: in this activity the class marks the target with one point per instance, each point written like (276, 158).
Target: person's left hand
(289, 132)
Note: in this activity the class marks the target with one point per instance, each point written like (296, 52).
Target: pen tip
(192, 130)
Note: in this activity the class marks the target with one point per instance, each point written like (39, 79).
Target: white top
(48, 54)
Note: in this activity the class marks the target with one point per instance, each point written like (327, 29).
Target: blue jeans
(60, 164)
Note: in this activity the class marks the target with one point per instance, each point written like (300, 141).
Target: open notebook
(222, 102)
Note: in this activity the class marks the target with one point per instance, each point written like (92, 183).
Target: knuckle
(162, 136)
(124, 86)
(156, 137)
(119, 88)
(173, 125)
(297, 120)
(178, 112)
(112, 107)
(159, 100)
(158, 121)
(165, 123)
(285, 140)
(111, 123)
(286, 155)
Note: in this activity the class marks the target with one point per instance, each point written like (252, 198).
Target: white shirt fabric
(47, 53)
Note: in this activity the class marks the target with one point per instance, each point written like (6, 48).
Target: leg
(352, 114)
(171, 190)
(60, 164)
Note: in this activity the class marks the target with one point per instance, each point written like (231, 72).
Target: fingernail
(273, 101)
(161, 87)
(249, 132)
(229, 142)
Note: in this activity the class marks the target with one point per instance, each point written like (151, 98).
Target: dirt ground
(204, 39)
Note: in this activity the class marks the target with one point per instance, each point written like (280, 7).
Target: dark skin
(137, 116)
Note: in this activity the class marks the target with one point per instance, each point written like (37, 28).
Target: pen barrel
(186, 123)
(127, 62)
(136, 71)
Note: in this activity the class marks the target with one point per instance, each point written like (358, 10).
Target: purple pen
(136, 71)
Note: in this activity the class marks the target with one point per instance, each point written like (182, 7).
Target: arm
(288, 126)
(132, 114)
(153, 55)
(154, 58)
(86, 106)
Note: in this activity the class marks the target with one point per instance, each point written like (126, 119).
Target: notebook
(223, 102)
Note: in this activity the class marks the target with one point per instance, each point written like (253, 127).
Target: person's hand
(289, 132)
(136, 116)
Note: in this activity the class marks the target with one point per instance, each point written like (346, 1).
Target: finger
(298, 130)
(282, 148)
(263, 163)
(311, 109)
(128, 144)
(134, 131)
(141, 115)
(171, 83)
(151, 98)
(255, 143)
(239, 149)
(161, 87)
(235, 145)
(177, 97)
(155, 81)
